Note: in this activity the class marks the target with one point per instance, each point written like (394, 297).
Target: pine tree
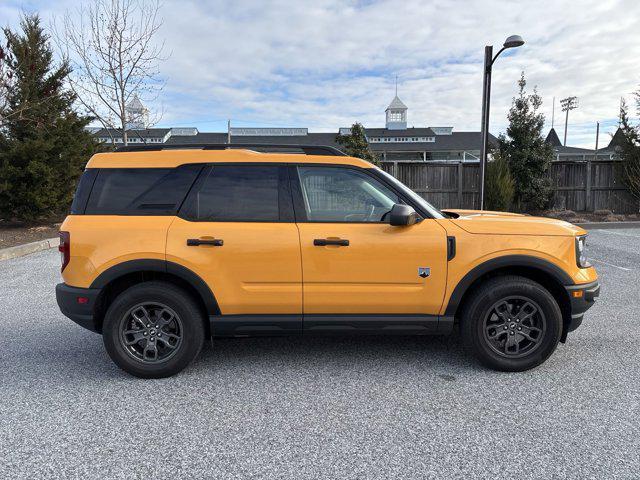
(45, 145)
(629, 151)
(526, 152)
(500, 186)
(356, 145)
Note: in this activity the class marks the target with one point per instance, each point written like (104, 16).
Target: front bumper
(582, 299)
(78, 304)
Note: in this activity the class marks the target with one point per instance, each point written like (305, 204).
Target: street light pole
(511, 42)
(484, 126)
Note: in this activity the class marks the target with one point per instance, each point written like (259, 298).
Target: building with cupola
(394, 142)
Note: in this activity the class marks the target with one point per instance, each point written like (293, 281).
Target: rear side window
(140, 191)
(83, 191)
(236, 193)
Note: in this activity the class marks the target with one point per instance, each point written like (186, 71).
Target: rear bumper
(81, 311)
(582, 299)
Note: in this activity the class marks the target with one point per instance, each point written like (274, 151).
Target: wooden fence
(579, 185)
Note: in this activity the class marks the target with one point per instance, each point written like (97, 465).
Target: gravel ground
(320, 407)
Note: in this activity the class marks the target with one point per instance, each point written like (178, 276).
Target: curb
(27, 248)
(607, 225)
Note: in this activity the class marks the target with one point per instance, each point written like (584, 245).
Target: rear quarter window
(140, 191)
(82, 192)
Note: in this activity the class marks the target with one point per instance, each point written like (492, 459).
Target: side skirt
(278, 325)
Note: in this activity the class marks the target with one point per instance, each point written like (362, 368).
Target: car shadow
(76, 353)
(335, 350)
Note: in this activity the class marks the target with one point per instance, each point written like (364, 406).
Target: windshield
(433, 211)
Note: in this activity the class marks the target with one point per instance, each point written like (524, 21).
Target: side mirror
(402, 215)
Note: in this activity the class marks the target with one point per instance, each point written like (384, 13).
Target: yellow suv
(168, 246)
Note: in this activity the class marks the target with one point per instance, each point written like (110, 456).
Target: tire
(130, 330)
(499, 324)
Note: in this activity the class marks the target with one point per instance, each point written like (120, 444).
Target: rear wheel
(511, 323)
(153, 330)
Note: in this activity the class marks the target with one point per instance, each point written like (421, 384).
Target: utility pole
(229, 132)
(568, 104)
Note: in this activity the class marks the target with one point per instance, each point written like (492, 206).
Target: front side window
(236, 193)
(334, 194)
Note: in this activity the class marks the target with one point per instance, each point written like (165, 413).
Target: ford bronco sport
(166, 247)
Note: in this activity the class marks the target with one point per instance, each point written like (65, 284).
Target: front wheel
(511, 323)
(153, 330)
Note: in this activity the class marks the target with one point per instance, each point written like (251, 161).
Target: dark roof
(404, 132)
(553, 139)
(455, 141)
(200, 137)
(616, 141)
(145, 133)
(563, 149)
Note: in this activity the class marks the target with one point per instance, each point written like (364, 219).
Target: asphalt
(320, 407)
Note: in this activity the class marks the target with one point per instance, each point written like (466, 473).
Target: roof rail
(306, 149)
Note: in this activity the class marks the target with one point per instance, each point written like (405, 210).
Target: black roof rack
(281, 148)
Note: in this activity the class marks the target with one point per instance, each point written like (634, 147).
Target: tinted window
(140, 191)
(334, 194)
(243, 193)
(82, 192)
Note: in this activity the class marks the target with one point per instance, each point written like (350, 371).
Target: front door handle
(196, 242)
(323, 242)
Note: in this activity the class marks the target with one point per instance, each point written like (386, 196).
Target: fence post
(460, 178)
(588, 201)
(395, 169)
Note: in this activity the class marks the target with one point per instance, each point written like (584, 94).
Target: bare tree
(111, 46)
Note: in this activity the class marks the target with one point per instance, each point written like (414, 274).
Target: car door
(236, 231)
(353, 261)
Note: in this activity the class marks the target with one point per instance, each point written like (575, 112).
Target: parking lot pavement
(320, 407)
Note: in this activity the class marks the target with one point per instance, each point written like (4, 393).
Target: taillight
(65, 249)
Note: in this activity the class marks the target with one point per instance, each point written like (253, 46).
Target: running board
(278, 325)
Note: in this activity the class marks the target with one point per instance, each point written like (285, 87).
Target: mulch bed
(16, 234)
(588, 217)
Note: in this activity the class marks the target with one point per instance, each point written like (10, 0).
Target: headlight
(581, 252)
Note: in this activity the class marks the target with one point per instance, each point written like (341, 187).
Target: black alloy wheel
(511, 323)
(514, 326)
(154, 329)
(151, 332)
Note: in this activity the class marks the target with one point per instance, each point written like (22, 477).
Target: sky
(326, 64)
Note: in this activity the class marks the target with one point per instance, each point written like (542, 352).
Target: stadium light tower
(569, 103)
(511, 42)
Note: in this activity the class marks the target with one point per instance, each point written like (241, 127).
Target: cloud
(327, 63)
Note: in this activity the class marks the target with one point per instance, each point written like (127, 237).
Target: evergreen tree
(356, 145)
(500, 187)
(45, 146)
(629, 150)
(526, 152)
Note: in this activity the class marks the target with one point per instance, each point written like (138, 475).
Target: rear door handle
(196, 242)
(323, 242)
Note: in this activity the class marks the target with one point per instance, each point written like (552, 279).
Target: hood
(505, 223)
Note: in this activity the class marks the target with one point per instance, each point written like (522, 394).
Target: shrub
(500, 187)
